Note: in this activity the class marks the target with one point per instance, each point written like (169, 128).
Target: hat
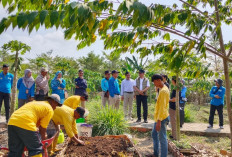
(5, 65)
(80, 111)
(141, 71)
(114, 71)
(219, 81)
(43, 70)
(56, 98)
(107, 72)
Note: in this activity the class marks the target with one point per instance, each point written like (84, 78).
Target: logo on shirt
(1, 78)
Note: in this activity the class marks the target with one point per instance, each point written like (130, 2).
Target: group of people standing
(130, 88)
(30, 89)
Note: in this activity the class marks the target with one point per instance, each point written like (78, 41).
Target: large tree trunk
(14, 89)
(177, 109)
(228, 96)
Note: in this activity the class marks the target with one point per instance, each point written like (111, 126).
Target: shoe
(139, 120)
(210, 126)
(171, 137)
(221, 127)
(145, 121)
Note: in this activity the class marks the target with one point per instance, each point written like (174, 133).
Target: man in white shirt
(141, 86)
(127, 93)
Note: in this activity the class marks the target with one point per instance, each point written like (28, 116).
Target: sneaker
(221, 127)
(139, 120)
(210, 126)
(145, 121)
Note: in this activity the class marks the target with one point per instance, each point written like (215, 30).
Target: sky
(51, 39)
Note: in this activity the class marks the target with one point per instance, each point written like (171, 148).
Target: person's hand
(81, 142)
(216, 96)
(77, 86)
(59, 88)
(122, 98)
(141, 92)
(31, 99)
(158, 125)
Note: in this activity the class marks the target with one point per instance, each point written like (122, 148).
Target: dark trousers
(141, 99)
(39, 97)
(219, 109)
(6, 98)
(182, 114)
(19, 138)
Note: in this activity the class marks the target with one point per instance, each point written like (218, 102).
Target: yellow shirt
(73, 101)
(32, 115)
(65, 116)
(161, 107)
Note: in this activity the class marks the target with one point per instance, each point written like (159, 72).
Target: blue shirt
(113, 87)
(104, 84)
(22, 90)
(6, 82)
(55, 84)
(82, 84)
(183, 93)
(221, 93)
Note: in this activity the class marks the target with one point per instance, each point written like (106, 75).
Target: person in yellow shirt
(75, 100)
(161, 117)
(67, 116)
(24, 123)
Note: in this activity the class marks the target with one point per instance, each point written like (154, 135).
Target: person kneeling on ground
(22, 126)
(67, 116)
(75, 100)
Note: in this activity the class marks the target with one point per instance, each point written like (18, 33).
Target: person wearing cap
(105, 88)
(26, 87)
(114, 90)
(58, 85)
(81, 86)
(67, 116)
(127, 95)
(75, 100)
(217, 94)
(42, 86)
(141, 86)
(6, 83)
(24, 123)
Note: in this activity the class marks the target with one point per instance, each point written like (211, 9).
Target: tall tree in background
(91, 62)
(18, 48)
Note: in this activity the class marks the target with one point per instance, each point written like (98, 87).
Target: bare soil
(3, 137)
(101, 146)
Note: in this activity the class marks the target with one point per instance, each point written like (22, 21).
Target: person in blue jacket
(6, 83)
(217, 94)
(183, 100)
(26, 87)
(58, 85)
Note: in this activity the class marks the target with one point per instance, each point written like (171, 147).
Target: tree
(16, 47)
(143, 24)
(112, 61)
(92, 62)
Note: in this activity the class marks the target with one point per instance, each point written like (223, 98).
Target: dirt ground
(101, 146)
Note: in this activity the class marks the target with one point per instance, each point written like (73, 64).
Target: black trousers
(19, 138)
(182, 114)
(141, 99)
(219, 109)
(6, 98)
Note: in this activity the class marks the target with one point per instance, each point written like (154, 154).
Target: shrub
(188, 117)
(106, 121)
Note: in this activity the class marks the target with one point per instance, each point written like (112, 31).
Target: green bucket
(80, 120)
(61, 137)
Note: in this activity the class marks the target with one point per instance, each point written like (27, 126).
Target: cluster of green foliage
(107, 121)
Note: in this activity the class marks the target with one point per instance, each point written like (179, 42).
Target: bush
(188, 117)
(106, 121)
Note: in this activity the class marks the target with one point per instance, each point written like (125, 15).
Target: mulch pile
(101, 146)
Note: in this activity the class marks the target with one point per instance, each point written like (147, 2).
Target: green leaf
(4, 3)
(2, 25)
(166, 37)
(54, 17)
(42, 16)
(21, 19)
(31, 17)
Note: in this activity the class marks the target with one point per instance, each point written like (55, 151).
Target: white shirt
(127, 86)
(141, 83)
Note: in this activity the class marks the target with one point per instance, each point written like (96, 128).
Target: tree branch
(195, 8)
(230, 51)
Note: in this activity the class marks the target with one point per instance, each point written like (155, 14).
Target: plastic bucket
(86, 130)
